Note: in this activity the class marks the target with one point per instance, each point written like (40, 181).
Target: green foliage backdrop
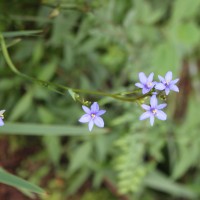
(102, 45)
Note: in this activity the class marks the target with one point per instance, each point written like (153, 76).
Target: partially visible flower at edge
(167, 83)
(146, 83)
(92, 116)
(154, 110)
(1, 117)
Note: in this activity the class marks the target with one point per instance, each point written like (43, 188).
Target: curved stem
(60, 88)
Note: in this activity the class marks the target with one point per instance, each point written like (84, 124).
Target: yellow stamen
(2, 116)
(149, 84)
(154, 111)
(93, 115)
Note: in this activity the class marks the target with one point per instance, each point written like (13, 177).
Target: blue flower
(146, 83)
(92, 116)
(154, 110)
(1, 117)
(167, 83)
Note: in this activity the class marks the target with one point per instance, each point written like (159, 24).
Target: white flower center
(167, 82)
(154, 111)
(149, 84)
(93, 116)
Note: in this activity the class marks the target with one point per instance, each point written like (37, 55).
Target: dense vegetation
(99, 45)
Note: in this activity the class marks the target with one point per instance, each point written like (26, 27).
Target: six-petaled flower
(146, 83)
(1, 117)
(153, 110)
(92, 116)
(167, 83)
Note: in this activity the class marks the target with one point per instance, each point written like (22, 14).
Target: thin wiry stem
(62, 89)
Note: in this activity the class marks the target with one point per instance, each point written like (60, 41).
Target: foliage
(14, 181)
(102, 45)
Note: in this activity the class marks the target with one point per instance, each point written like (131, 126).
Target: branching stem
(62, 89)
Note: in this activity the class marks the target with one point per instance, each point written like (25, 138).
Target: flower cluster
(149, 87)
(166, 83)
(147, 84)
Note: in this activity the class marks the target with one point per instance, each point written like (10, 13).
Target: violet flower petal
(152, 120)
(145, 115)
(1, 122)
(90, 125)
(94, 107)
(153, 101)
(86, 109)
(85, 118)
(101, 112)
(142, 78)
(167, 90)
(145, 90)
(161, 115)
(161, 78)
(99, 122)
(160, 86)
(174, 81)
(139, 85)
(150, 78)
(174, 88)
(161, 106)
(168, 76)
(146, 107)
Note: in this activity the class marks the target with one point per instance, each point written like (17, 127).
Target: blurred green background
(100, 45)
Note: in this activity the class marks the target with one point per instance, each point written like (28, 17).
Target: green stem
(62, 89)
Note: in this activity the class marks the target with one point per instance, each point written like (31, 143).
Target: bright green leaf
(41, 129)
(159, 181)
(22, 106)
(21, 33)
(18, 183)
(53, 147)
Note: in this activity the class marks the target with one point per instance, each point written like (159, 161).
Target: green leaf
(80, 157)
(188, 34)
(21, 33)
(159, 181)
(187, 142)
(6, 84)
(165, 57)
(22, 106)
(18, 183)
(185, 9)
(72, 94)
(184, 163)
(79, 179)
(146, 13)
(98, 178)
(45, 115)
(41, 129)
(53, 147)
(13, 42)
(38, 52)
(48, 71)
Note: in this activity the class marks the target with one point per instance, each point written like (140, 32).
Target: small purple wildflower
(167, 83)
(92, 116)
(154, 110)
(1, 117)
(146, 83)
